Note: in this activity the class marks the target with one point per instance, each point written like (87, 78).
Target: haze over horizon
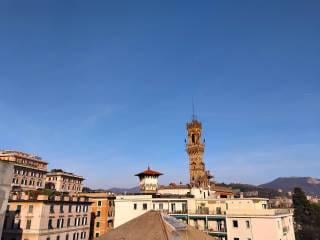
(103, 89)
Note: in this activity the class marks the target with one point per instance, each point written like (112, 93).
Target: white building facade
(214, 216)
(264, 224)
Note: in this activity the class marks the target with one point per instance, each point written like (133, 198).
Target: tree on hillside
(306, 216)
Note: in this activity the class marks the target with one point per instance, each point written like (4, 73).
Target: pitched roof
(149, 172)
(154, 225)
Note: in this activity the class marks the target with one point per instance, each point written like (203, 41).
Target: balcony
(216, 230)
(178, 212)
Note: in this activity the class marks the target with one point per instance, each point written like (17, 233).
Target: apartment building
(214, 216)
(262, 224)
(29, 170)
(6, 170)
(62, 181)
(102, 217)
(43, 217)
(184, 207)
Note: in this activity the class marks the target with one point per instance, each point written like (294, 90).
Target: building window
(98, 213)
(61, 208)
(236, 239)
(144, 206)
(84, 221)
(50, 224)
(78, 208)
(99, 203)
(30, 209)
(67, 237)
(48, 238)
(97, 224)
(248, 224)
(28, 224)
(70, 208)
(135, 206)
(235, 223)
(184, 207)
(85, 208)
(97, 235)
(110, 224)
(173, 207)
(68, 222)
(160, 206)
(51, 208)
(77, 221)
(18, 208)
(61, 223)
(58, 237)
(218, 210)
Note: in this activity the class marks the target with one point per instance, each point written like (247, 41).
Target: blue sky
(104, 88)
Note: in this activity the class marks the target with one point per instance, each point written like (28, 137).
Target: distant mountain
(124, 190)
(308, 184)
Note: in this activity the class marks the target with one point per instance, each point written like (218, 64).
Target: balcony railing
(207, 212)
(177, 212)
(222, 229)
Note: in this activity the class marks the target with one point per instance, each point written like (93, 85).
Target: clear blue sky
(104, 88)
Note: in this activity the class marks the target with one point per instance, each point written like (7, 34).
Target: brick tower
(199, 177)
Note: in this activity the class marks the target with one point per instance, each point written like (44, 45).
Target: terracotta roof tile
(154, 225)
(149, 172)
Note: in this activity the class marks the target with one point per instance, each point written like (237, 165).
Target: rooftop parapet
(33, 196)
(259, 212)
(60, 172)
(21, 154)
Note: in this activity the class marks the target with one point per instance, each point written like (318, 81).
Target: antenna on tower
(193, 114)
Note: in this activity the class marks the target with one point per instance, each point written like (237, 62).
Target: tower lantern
(199, 177)
(148, 180)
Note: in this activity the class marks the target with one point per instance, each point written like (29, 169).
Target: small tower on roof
(148, 180)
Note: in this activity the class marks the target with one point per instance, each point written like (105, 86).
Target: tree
(306, 216)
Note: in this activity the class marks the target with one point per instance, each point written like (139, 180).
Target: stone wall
(6, 175)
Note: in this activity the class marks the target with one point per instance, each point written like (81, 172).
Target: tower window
(193, 138)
